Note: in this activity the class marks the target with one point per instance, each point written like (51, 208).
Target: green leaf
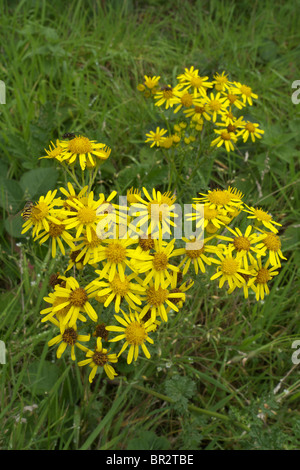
(11, 194)
(38, 181)
(42, 377)
(148, 440)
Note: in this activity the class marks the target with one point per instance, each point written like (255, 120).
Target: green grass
(76, 68)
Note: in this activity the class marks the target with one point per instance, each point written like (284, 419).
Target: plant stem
(193, 408)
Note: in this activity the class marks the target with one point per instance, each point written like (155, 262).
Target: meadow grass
(210, 383)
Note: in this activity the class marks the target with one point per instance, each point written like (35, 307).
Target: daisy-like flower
(209, 215)
(42, 213)
(252, 130)
(216, 104)
(195, 252)
(198, 112)
(57, 233)
(263, 274)
(151, 82)
(221, 81)
(245, 244)
(229, 269)
(77, 298)
(191, 79)
(51, 313)
(233, 100)
(55, 152)
(245, 91)
(262, 218)
(69, 337)
(71, 195)
(116, 290)
(132, 194)
(159, 301)
(135, 332)
(156, 265)
(86, 150)
(75, 260)
(224, 138)
(100, 358)
(272, 244)
(85, 216)
(158, 209)
(228, 199)
(114, 254)
(87, 249)
(182, 98)
(233, 126)
(157, 137)
(165, 96)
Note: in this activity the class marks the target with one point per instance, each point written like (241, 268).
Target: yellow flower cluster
(127, 268)
(201, 102)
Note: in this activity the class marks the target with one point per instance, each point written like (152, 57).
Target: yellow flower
(77, 298)
(158, 209)
(71, 338)
(229, 269)
(272, 244)
(135, 332)
(228, 199)
(216, 104)
(262, 218)
(191, 79)
(165, 96)
(117, 290)
(114, 253)
(100, 358)
(157, 137)
(157, 299)
(55, 152)
(85, 216)
(245, 91)
(244, 244)
(263, 274)
(221, 82)
(42, 213)
(151, 82)
(156, 265)
(56, 232)
(194, 252)
(251, 129)
(224, 138)
(89, 152)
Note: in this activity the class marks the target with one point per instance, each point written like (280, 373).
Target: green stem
(196, 409)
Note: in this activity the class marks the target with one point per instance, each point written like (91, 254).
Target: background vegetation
(74, 66)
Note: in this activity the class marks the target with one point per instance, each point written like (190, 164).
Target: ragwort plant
(124, 257)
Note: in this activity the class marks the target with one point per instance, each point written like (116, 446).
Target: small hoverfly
(69, 136)
(165, 88)
(26, 213)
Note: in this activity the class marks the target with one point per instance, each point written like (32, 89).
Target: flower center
(115, 252)
(199, 109)
(56, 230)
(250, 127)
(263, 276)
(196, 82)
(86, 215)
(39, 212)
(160, 261)
(167, 94)
(242, 243)
(215, 105)
(99, 358)
(95, 240)
(262, 215)
(218, 197)
(136, 333)
(80, 145)
(78, 297)
(194, 253)
(226, 135)
(118, 286)
(156, 297)
(70, 336)
(101, 331)
(246, 90)
(272, 242)
(146, 243)
(210, 213)
(229, 266)
(232, 98)
(187, 100)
